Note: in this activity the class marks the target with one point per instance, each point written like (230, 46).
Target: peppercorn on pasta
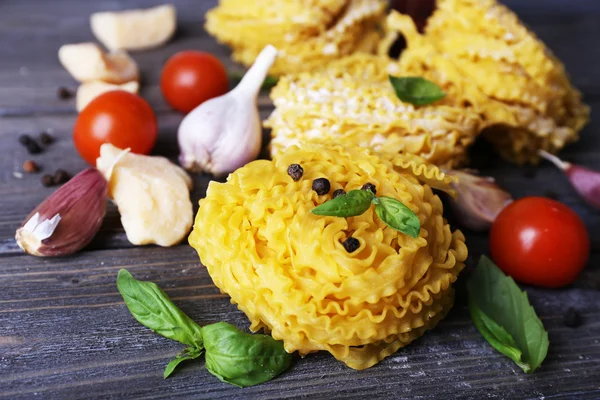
(308, 33)
(289, 271)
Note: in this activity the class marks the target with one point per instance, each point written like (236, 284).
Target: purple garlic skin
(479, 200)
(585, 181)
(68, 219)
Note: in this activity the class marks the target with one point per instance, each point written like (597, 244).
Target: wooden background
(65, 332)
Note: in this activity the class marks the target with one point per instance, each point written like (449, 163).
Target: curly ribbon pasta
(288, 271)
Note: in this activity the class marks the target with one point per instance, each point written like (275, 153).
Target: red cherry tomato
(117, 117)
(540, 242)
(189, 78)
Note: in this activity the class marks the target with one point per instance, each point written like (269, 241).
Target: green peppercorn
(369, 186)
(295, 171)
(351, 244)
(321, 186)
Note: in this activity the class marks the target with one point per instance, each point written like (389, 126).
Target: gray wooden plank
(66, 333)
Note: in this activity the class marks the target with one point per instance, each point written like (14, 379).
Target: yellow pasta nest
(352, 101)
(308, 33)
(489, 61)
(288, 271)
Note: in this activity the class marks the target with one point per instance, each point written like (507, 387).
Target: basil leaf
(397, 216)
(354, 203)
(240, 358)
(151, 307)
(416, 90)
(503, 315)
(188, 354)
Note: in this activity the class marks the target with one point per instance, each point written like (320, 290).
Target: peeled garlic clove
(68, 220)
(479, 200)
(585, 181)
(224, 133)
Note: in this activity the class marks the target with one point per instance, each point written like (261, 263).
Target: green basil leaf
(497, 336)
(503, 315)
(240, 358)
(397, 216)
(188, 354)
(416, 90)
(354, 203)
(151, 307)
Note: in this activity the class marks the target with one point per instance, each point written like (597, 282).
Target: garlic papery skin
(68, 219)
(585, 181)
(478, 200)
(224, 133)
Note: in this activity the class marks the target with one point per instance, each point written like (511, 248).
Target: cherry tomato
(117, 117)
(540, 242)
(189, 78)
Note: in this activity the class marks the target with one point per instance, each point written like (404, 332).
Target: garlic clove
(67, 220)
(585, 181)
(88, 91)
(224, 133)
(479, 200)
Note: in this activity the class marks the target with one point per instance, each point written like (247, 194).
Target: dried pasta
(489, 61)
(352, 101)
(287, 270)
(308, 33)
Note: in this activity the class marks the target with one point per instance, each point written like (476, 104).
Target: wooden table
(65, 332)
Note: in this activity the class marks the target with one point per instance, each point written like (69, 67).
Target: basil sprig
(242, 359)
(416, 90)
(503, 315)
(233, 356)
(356, 202)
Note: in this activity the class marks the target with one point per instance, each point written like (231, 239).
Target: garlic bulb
(224, 133)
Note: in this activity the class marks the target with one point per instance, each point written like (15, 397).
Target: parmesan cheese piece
(151, 193)
(87, 62)
(88, 91)
(135, 29)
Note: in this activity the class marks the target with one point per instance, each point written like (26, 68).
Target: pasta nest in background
(499, 80)
(351, 101)
(288, 271)
(307, 33)
(485, 58)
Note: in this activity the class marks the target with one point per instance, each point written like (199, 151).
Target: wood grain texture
(65, 332)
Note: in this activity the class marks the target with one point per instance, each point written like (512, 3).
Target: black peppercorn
(338, 192)
(351, 244)
(61, 176)
(46, 138)
(369, 186)
(64, 93)
(47, 180)
(295, 171)
(321, 186)
(33, 147)
(572, 319)
(25, 139)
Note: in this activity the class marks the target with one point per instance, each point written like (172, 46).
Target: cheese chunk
(88, 91)
(151, 193)
(135, 29)
(87, 62)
